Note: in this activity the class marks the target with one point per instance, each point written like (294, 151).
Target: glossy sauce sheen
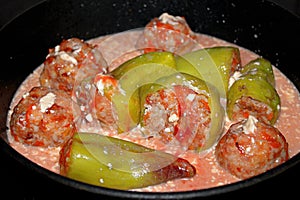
(120, 47)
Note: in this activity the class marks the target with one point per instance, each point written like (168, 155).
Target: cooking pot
(258, 25)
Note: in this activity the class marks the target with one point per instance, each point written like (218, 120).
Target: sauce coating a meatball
(43, 117)
(251, 147)
(71, 62)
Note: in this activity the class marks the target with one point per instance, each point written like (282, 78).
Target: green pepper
(131, 75)
(259, 67)
(161, 58)
(214, 65)
(114, 163)
(257, 89)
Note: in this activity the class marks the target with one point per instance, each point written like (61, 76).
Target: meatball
(43, 117)
(69, 63)
(167, 33)
(251, 147)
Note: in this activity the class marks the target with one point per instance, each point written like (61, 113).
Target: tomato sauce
(120, 47)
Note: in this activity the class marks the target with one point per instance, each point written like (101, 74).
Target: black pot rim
(295, 160)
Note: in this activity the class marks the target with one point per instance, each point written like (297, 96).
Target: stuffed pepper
(252, 95)
(182, 109)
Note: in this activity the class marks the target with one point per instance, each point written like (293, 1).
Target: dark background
(11, 8)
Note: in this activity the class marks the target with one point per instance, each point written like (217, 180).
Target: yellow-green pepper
(214, 65)
(114, 163)
(259, 67)
(257, 89)
(132, 75)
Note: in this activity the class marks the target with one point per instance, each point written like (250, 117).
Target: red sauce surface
(120, 47)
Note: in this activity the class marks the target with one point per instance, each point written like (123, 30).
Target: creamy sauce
(120, 47)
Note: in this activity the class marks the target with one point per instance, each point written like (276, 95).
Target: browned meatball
(167, 33)
(69, 63)
(43, 117)
(251, 147)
